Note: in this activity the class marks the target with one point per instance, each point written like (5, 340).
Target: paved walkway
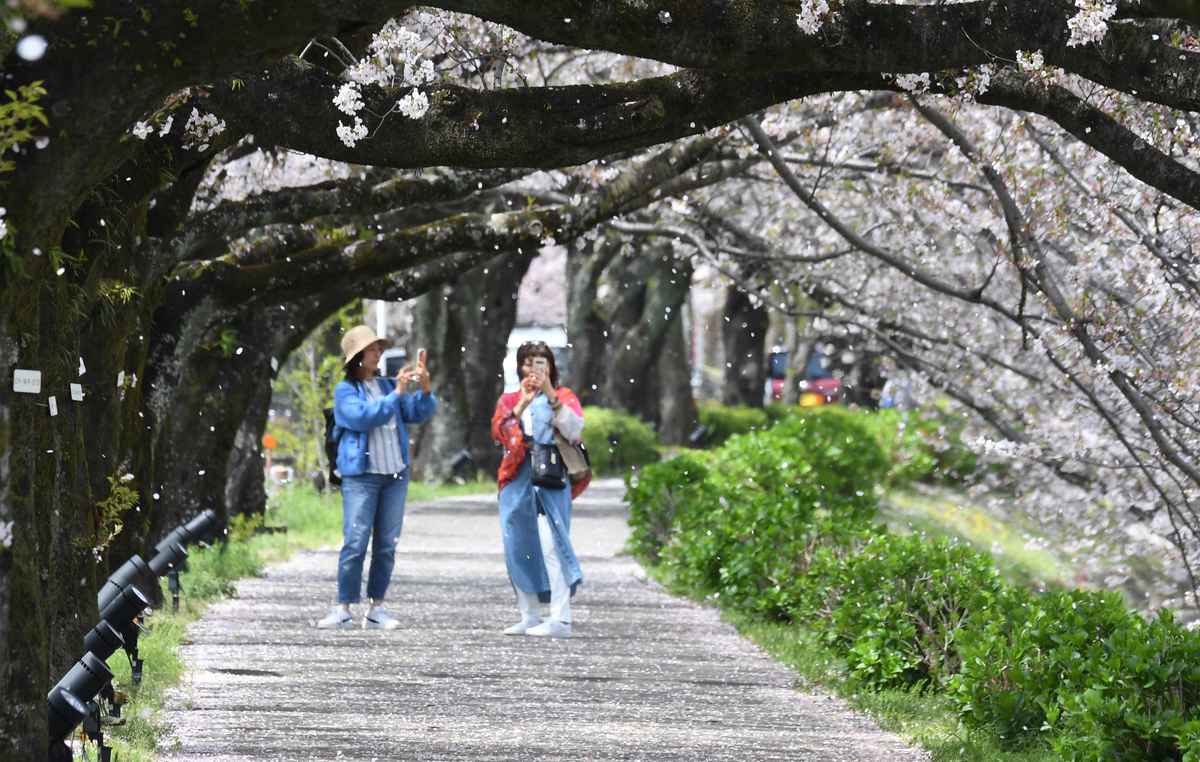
(645, 677)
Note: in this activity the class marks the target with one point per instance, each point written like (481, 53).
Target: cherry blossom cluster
(199, 130)
(813, 15)
(1088, 428)
(1090, 24)
(393, 59)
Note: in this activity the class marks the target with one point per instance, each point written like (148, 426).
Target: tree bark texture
(464, 327)
(744, 336)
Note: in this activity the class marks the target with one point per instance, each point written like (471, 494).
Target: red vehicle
(820, 391)
(839, 369)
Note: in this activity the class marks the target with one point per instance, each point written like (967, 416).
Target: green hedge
(1080, 667)
(636, 443)
(921, 445)
(725, 421)
(779, 523)
(896, 609)
(747, 523)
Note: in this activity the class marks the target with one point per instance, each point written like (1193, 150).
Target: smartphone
(421, 356)
(541, 365)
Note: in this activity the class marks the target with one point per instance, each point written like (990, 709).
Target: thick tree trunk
(651, 290)
(587, 326)
(464, 328)
(677, 415)
(245, 488)
(744, 335)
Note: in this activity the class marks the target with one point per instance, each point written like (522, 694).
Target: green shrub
(657, 497)
(897, 608)
(777, 411)
(724, 421)
(846, 461)
(920, 445)
(941, 434)
(635, 442)
(767, 504)
(1081, 668)
(777, 523)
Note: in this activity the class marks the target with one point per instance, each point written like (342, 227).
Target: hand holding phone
(541, 370)
(417, 373)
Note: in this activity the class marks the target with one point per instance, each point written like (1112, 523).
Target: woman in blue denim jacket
(370, 414)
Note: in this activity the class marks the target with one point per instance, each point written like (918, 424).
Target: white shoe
(550, 629)
(522, 626)
(338, 619)
(379, 619)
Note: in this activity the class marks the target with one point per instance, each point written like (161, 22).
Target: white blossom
(350, 135)
(32, 47)
(1030, 62)
(1090, 24)
(414, 105)
(200, 129)
(813, 14)
(419, 74)
(349, 99)
(166, 126)
(913, 83)
(142, 130)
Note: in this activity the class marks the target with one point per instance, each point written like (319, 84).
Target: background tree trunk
(678, 415)
(464, 328)
(649, 291)
(587, 326)
(744, 335)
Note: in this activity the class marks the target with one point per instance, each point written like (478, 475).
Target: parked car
(840, 369)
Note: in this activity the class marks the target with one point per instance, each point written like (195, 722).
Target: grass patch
(420, 492)
(1014, 548)
(312, 521)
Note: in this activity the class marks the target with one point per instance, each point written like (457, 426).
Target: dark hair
(538, 349)
(353, 366)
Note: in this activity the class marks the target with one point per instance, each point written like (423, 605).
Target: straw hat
(357, 339)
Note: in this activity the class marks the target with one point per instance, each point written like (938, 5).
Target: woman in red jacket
(535, 520)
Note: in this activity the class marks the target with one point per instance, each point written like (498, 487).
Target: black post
(174, 586)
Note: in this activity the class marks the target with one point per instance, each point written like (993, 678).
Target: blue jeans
(372, 505)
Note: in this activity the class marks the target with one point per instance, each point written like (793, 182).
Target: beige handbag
(574, 457)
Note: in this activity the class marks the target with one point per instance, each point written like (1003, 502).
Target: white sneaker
(520, 627)
(550, 629)
(379, 619)
(338, 619)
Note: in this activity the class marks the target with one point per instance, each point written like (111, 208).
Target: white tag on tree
(53, 406)
(274, 365)
(77, 392)
(120, 379)
(82, 367)
(27, 381)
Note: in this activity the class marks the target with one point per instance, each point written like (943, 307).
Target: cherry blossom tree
(121, 111)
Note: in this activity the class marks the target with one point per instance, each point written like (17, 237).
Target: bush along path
(780, 527)
(645, 675)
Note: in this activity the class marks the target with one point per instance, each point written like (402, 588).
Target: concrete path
(645, 677)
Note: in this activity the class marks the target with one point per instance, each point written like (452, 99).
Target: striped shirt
(383, 443)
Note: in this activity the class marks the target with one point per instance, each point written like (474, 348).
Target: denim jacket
(355, 414)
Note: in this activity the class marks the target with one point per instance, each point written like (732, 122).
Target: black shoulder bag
(547, 465)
